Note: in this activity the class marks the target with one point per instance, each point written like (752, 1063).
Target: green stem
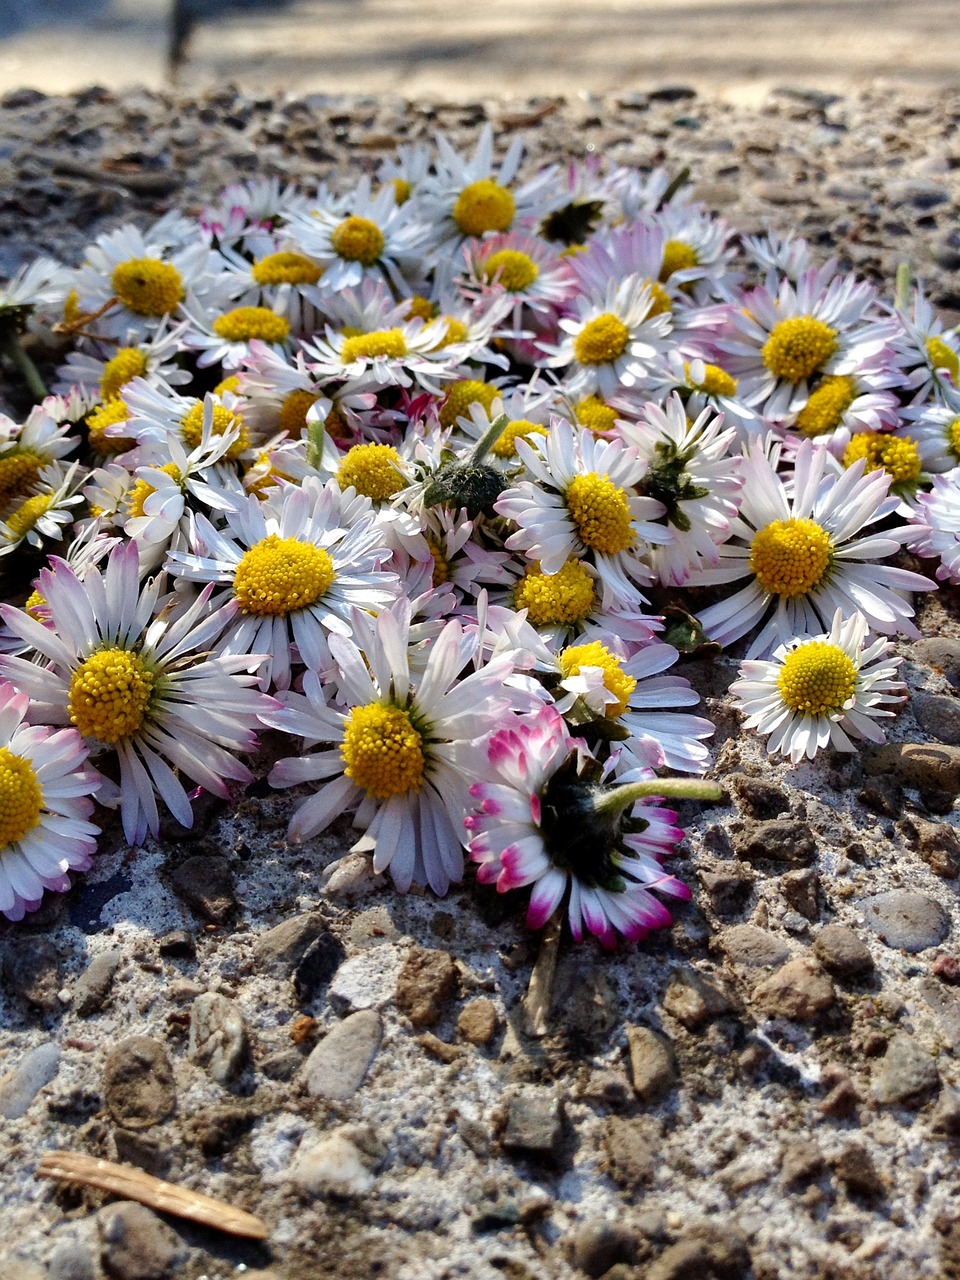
(619, 798)
(682, 177)
(489, 439)
(11, 348)
(901, 294)
(315, 437)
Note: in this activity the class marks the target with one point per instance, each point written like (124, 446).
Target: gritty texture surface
(354, 1066)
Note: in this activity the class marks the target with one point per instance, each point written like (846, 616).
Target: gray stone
(942, 654)
(928, 766)
(947, 1006)
(366, 981)
(585, 1001)
(138, 1083)
(694, 1001)
(841, 952)
(938, 715)
(800, 890)
(218, 1037)
(31, 967)
(282, 1065)
(91, 989)
(633, 1150)
(779, 840)
(279, 950)
(748, 945)
(178, 944)
(653, 1065)
(71, 1261)
(728, 887)
(946, 1117)
(598, 1244)
(800, 991)
(534, 1124)
(316, 967)
(205, 883)
(910, 921)
(137, 1245)
(907, 1073)
(339, 1063)
(426, 985)
(34, 1070)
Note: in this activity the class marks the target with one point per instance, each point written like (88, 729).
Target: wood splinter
(134, 1184)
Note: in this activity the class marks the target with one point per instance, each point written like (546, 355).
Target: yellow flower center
(34, 603)
(897, 455)
(286, 268)
(147, 286)
(943, 357)
(419, 307)
(817, 679)
(129, 362)
(22, 519)
(484, 206)
(677, 256)
(293, 411)
(358, 240)
(72, 314)
(142, 490)
(402, 190)
(798, 347)
(506, 443)
(615, 679)
(791, 557)
(244, 323)
(953, 438)
(516, 271)
(382, 751)
(600, 510)
(110, 695)
(18, 470)
(280, 575)
(224, 419)
(659, 299)
(716, 381)
(368, 346)
(601, 340)
(826, 406)
(21, 798)
(556, 599)
(456, 331)
(335, 425)
(108, 415)
(373, 470)
(461, 395)
(596, 415)
(441, 565)
(230, 383)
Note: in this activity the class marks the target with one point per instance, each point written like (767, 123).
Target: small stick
(133, 1184)
(539, 997)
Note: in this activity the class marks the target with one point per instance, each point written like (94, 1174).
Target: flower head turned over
(548, 821)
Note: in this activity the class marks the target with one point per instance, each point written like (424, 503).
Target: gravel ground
(769, 1090)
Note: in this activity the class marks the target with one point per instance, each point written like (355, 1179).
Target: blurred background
(734, 49)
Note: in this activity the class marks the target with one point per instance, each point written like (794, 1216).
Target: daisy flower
(400, 355)
(928, 351)
(401, 744)
(804, 556)
(224, 339)
(935, 525)
(25, 450)
(109, 367)
(527, 269)
(252, 211)
(405, 170)
(46, 515)
(280, 277)
(821, 690)
(139, 684)
(45, 804)
(545, 820)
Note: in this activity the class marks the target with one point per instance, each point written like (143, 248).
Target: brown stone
(653, 1065)
(138, 1084)
(478, 1021)
(800, 991)
(425, 986)
(694, 1001)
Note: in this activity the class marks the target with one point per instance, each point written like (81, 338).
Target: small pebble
(34, 1070)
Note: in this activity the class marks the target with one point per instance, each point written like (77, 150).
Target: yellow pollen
(147, 286)
(129, 362)
(389, 343)
(826, 406)
(556, 599)
(382, 751)
(677, 256)
(952, 433)
(514, 270)
(716, 381)
(230, 383)
(21, 798)
(293, 411)
(484, 206)
(505, 445)
(260, 476)
(461, 395)
(791, 557)
(358, 240)
(141, 490)
(798, 347)
(943, 357)
(224, 419)
(897, 455)
(280, 575)
(108, 415)
(71, 308)
(596, 415)
(601, 340)
(373, 470)
(286, 268)
(402, 190)
(615, 679)
(335, 425)
(22, 519)
(18, 470)
(457, 331)
(441, 565)
(110, 695)
(244, 323)
(34, 603)
(600, 510)
(419, 307)
(659, 299)
(817, 679)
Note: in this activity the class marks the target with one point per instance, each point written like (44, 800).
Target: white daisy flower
(108, 367)
(45, 804)
(928, 351)
(804, 557)
(155, 414)
(821, 690)
(529, 270)
(223, 338)
(25, 450)
(935, 426)
(700, 384)
(39, 285)
(252, 212)
(140, 684)
(400, 354)
(405, 170)
(402, 745)
(280, 277)
(935, 525)
(46, 515)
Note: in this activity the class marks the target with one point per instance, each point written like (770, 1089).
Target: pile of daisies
(411, 474)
